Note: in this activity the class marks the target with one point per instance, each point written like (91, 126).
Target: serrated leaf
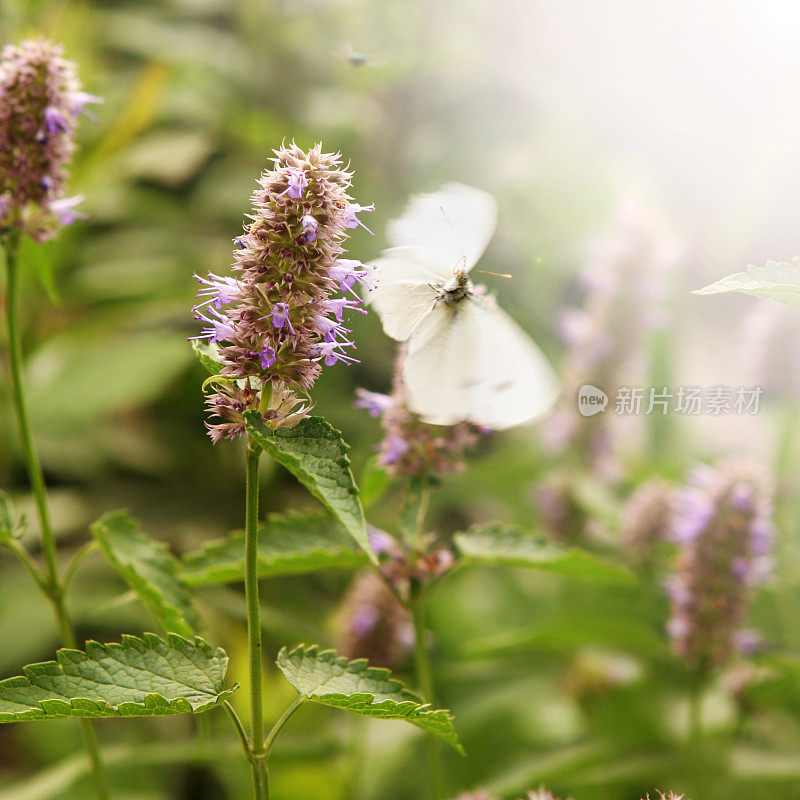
(778, 280)
(147, 677)
(505, 545)
(12, 523)
(322, 677)
(207, 355)
(316, 454)
(288, 544)
(150, 569)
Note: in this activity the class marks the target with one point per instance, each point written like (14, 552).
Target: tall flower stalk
(40, 102)
(420, 453)
(273, 326)
(722, 523)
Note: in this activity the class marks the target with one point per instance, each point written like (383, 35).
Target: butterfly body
(459, 289)
(466, 359)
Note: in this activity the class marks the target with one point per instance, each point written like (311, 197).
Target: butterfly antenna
(455, 233)
(496, 274)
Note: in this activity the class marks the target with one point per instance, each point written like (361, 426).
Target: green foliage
(316, 454)
(149, 568)
(147, 677)
(206, 356)
(778, 280)
(288, 544)
(505, 545)
(354, 686)
(373, 482)
(565, 632)
(12, 523)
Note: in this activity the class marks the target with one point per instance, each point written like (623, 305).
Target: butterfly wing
(454, 223)
(471, 362)
(405, 294)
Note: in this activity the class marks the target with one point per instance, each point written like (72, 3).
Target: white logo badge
(591, 400)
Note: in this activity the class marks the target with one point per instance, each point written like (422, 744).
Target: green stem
(276, 728)
(422, 666)
(32, 464)
(696, 712)
(419, 525)
(239, 727)
(53, 587)
(80, 556)
(25, 558)
(258, 752)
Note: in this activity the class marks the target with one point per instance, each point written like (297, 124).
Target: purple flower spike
(37, 125)
(310, 228)
(352, 221)
(374, 623)
(336, 307)
(364, 621)
(347, 272)
(277, 322)
(742, 498)
(297, 181)
(374, 403)
(280, 316)
(380, 541)
(330, 328)
(78, 102)
(267, 357)
(331, 352)
(65, 209)
(723, 556)
(220, 328)
(54, 122)
(693, 511)
(394, 448)
(410, 447)
(220, 291)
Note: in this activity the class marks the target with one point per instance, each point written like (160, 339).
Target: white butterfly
(467, 360)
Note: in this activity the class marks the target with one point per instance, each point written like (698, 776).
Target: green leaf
(505, 545)
(147, 677)
(778, 280)
(565, 632)
(149, 568)
(291, 544)
(207, 356)
(12, 523)
(373, 482)
(38, 257)
(415, 499)
(316, 454)
(322, 677)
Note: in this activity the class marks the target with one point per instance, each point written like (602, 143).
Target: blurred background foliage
(558, 109)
